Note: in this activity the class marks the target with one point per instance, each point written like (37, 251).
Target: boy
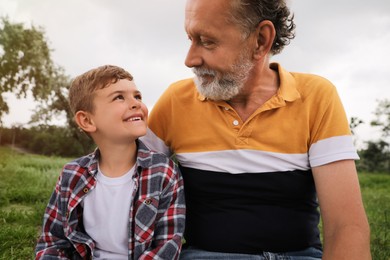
(123, 201)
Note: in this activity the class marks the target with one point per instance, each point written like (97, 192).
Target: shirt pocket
(145, 218)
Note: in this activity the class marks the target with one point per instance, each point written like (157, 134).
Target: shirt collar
(90, 162)
(288, 86)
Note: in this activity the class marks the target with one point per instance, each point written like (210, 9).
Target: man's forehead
(203, 14)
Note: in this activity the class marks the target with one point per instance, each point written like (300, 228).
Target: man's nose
(194, 57)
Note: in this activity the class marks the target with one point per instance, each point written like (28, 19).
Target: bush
(48, 140)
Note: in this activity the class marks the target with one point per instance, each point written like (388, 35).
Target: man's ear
(84, 121)
(265, 33)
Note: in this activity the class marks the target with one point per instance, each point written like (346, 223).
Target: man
(259, 147)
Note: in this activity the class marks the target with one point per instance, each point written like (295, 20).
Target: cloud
(344, 41)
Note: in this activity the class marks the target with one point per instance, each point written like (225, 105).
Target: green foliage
(26, 65)
(375, 158)
(354, 123)
(25, 62)
(53, 140)
(26, 182)
(382, 114)
(48, 140)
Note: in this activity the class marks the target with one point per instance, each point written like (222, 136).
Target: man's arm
(345, 225)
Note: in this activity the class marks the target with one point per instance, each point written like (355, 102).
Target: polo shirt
(248, 185)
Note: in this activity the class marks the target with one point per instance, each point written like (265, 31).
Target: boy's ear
(84, 121)
(266, 34)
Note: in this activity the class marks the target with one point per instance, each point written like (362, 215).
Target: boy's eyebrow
(135, 92)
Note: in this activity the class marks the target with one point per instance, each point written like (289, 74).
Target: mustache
(203, 72)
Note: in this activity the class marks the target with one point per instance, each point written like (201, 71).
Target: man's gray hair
(249, 13)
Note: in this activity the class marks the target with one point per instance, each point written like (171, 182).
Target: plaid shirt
(156, 217)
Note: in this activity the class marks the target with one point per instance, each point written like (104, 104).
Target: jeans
(310, 253)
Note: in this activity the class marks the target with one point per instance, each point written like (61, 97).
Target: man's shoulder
(301, 76)
(309, 83)
(303, 81)
(180, 91)
(182, 83)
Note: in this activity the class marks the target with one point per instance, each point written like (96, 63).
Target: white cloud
(344, 41)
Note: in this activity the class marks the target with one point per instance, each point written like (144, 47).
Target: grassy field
(26, 182)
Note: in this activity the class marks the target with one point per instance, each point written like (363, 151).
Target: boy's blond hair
(83, 87)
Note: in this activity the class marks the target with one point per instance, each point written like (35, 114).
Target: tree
(25, 62)
(376, 157)
(26, 65)
(382, 120)
(355, 122)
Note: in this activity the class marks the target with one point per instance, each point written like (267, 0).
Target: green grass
(26, 182)
(376, 197)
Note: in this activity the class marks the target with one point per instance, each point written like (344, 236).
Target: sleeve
(169, 228)
(158, 125)
(331, 138)
(52, 243)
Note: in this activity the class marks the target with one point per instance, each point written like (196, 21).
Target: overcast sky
(345, 41)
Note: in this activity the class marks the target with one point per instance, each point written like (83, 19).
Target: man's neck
(259, 88)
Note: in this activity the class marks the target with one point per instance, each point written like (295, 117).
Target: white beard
(228, 85)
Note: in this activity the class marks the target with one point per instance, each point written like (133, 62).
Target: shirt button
(226, 108)
(235, 122)
(85, 190)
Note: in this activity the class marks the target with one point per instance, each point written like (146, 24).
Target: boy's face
(119, 114)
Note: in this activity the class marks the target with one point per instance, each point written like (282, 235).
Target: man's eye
(206, 42)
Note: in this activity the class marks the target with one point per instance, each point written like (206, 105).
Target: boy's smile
(119, 113)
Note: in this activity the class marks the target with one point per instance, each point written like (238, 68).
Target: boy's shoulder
(86, 162)
(148, 158)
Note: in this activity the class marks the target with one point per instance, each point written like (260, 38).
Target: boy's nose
(135, 104)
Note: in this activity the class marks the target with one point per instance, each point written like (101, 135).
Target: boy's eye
(139, 97)
(119, 97)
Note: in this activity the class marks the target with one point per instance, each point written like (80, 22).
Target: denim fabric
(192, 253)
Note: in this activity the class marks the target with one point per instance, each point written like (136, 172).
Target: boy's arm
(169, 228)
(52, 242)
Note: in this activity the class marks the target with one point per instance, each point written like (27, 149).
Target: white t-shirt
(106, 215)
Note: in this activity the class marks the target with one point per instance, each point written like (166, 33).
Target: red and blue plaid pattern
(156, 218)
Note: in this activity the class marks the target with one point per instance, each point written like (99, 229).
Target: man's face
(218, 54)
